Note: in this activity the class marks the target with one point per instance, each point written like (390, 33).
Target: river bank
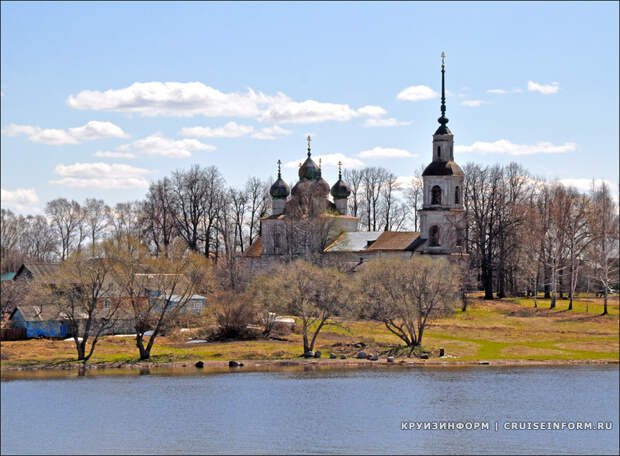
(497, 333)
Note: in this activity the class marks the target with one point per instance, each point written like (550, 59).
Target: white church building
(305, 222)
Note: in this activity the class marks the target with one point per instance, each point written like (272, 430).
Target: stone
(441, 352)
(374, 357)
(240, 364)
(343, 357)
(423, 356)
(233, 363)
(332, 356)
(362, 355)
(390, 359)
(308, 354)
(317, 354)
(199, 365)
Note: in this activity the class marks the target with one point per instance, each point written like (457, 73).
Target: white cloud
(271, 132)
(372, 111)
(51, 136)
(230, 130)
(112, 154)
(503, 91)
(92, 130)
(584, 184)
(544, 89)
(187, 99)
(286, 110)
(101, 175)
(503, 146)
(472, 103)
(330, 161)
(391, 122)
(405, 182)
(97, 130)
(24, 200)
(417, 93)
(157, 145)
(385, 152)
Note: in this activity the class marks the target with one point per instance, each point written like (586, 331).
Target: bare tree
(604, 228)
(158, 217)
(158, 289)
(257, 193)
(66, 217)
(77, 292)
(354, 178)
(406, 294)
(95, 219)
(312, 293)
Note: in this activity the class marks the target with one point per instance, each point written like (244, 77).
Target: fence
(12, 333)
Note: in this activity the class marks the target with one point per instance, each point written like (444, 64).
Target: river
(316, 411)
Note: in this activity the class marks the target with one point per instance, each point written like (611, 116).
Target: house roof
(177, 298)
(37, 313)
(395, 240)
(38, 269)
(352, 241)
(255, 250)
(8, 276)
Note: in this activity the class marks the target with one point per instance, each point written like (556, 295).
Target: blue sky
(98, 99)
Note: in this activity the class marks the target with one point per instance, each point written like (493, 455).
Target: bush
(233, 316)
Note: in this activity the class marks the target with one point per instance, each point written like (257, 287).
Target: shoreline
(284, 364)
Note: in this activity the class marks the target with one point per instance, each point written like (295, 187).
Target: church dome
(340, 190)
(279, 189)
(309, 170)
(440, 168)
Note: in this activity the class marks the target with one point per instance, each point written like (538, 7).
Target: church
(306, 223)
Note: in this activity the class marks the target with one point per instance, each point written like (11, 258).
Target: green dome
(279, 189)
(309, 170)
(340, 190)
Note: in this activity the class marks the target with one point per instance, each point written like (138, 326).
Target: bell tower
(442, 214)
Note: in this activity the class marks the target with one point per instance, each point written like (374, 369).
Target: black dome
(439, 168)
(279, 189)
(340, 190)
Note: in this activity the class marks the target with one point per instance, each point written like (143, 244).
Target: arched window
(434, 235)
(457, 195)
(436, 195)
(438, 152)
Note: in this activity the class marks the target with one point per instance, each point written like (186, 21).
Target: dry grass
(500, 329)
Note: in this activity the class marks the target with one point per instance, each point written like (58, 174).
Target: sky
(101, 99)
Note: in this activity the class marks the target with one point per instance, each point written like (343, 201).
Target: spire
(320, 172)
(443, 120)
(279, 171)
(339, 170)
(309, 139)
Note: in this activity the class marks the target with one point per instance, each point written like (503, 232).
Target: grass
(507, 329)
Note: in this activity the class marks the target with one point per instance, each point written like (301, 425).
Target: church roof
(353, 241)
(440, 168)
(395, 240)
(255, 249)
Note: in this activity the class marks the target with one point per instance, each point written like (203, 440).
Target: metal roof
(8, 276)
(353, 241)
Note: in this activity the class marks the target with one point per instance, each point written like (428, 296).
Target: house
(30, 271)
(194, 305)
(8, 276)
(40, 321)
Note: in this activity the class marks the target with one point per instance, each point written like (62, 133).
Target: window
(457, 195)
(196, 306)
(434, 235)
(459, 237)
(436, 195)
(106, 303)
(438, 152)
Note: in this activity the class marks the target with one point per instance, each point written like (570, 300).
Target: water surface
(334, 411)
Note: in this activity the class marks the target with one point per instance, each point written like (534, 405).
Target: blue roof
(8, 276)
